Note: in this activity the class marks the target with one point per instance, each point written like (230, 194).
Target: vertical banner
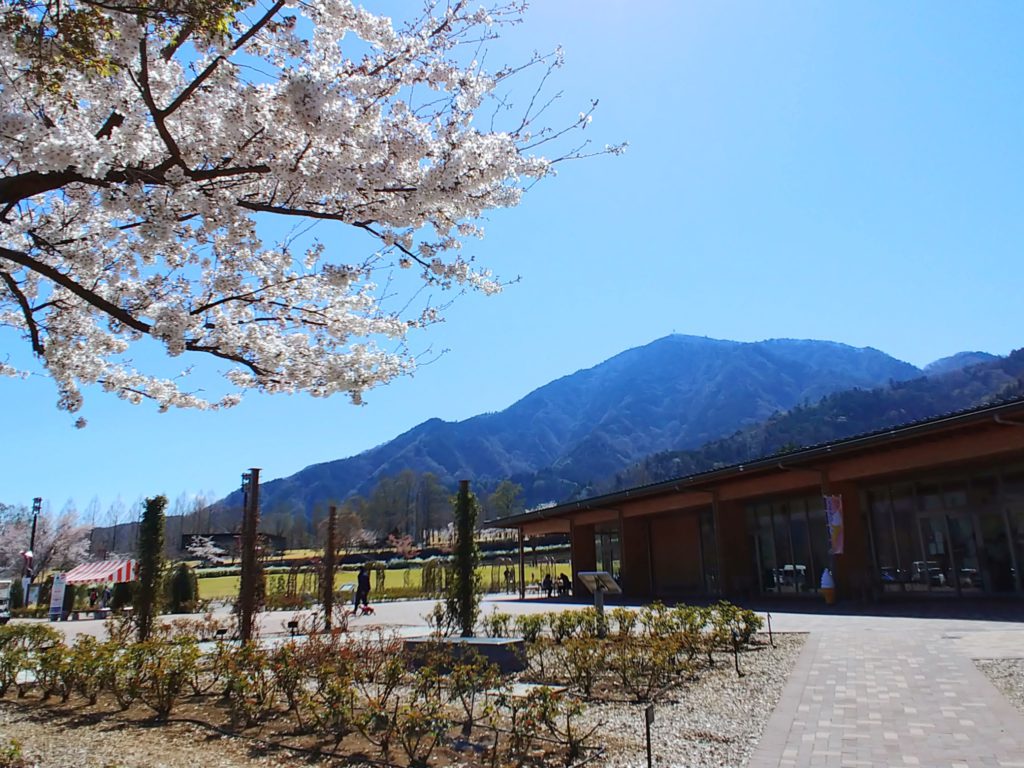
(834, 516)
(60, 581)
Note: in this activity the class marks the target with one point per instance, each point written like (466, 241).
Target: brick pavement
(891, 697)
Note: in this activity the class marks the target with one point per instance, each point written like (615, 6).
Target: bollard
(736, 650)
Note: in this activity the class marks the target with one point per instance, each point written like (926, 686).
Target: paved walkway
(895, 692)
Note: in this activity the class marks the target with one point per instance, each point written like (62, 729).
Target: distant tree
(403, 545)
(505, 500)
(116, 514)
(151, 563)
(202, 548)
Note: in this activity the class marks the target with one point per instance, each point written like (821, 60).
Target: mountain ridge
(676, 392)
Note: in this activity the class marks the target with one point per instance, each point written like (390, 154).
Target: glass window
(708, 550)
(891, 573)
(798, 534)
(929, 496)
(954, 495)
(820, 543)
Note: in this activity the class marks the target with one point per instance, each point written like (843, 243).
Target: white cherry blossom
(132, 181)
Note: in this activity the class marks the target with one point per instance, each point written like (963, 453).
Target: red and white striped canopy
(114, 571)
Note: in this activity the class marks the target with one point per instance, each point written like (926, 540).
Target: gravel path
(716, 721)
(49, 738)
(1008, 676)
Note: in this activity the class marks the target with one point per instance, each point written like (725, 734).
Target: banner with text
(834, 515)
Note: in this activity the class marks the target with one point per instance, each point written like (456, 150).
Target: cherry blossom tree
(61, 541)
(203, 548)
(143, 142)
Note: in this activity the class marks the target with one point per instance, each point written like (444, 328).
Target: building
(930, 508)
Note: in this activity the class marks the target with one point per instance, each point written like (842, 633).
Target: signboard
(599, 581)
(834, 515)
(60, 581)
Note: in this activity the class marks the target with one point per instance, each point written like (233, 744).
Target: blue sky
(843, 171)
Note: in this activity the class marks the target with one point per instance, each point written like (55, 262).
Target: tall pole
(328, 585)
(250, 574)
(30, 572)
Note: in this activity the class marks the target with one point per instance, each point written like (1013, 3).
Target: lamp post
(29, 573)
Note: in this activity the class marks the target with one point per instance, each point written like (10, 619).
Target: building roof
(998, 411)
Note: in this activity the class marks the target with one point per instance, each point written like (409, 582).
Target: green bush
(497, 624)
(21, 646)
(165, 669)
(182, 590)
(123, 595)
(17, 595)
(251, 684)
(531, 626)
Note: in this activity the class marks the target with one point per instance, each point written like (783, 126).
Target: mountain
(841, 415)
(958, 361)
(678, 392)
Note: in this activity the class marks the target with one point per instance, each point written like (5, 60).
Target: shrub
(421, 724)
(55, 671)
(11, 756)
(530, 626)
(20, 649)
(644, 667)
(584, 658)
(469, 681)
(89, 657)
(164, 671)
(746, 623)
(182, 590)
(17, 595)
(624, 621)
(122, 672)
(497, 624)
(251, 684)
(123, 595)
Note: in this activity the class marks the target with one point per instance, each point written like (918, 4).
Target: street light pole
(37, 504)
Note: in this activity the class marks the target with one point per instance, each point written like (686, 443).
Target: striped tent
(113, 571)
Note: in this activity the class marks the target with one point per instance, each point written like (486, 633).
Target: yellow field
(221, 587)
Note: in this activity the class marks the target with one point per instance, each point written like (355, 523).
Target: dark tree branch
(212, 66)
(114, 120)
(26, 310)
(117, 313)
(90, 297)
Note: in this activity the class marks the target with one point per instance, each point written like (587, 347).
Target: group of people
(548, 585)
(103, 599)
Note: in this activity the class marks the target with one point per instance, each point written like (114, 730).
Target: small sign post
(60, 581)
(648, 721)
(599, 582)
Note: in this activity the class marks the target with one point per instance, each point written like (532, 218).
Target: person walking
(362, 588)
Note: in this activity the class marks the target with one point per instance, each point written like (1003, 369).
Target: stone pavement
(894, 691)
